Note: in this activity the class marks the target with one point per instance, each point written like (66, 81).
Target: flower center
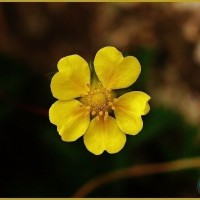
(99, 101)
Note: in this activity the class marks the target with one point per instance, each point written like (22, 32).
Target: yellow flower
(87, 108)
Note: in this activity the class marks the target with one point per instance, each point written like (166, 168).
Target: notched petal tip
(114, 70)
(72, 78)
(104, 136)
(129, 109)
(69, 61)
(135, 102)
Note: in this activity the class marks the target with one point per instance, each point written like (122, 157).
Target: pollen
(99, 100)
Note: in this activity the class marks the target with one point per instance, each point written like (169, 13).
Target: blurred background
(165, 37)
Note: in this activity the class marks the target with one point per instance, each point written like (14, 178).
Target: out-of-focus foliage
(34, 36)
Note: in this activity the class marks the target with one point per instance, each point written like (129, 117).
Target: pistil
(98, 101)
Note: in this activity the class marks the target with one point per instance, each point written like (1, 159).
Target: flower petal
(113, 70)
(129, 108)
(147, 109)
(71, 119)
(104, 135)
(128, 122)
(72, 79)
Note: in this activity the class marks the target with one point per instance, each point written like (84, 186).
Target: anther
(101, 113)
(115, 99)
(113, 107)
(109, 95)
(105, 116)
(97, 118)
(93, 112)
(110, 103)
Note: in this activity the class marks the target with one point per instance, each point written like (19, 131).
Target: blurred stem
(134, 171)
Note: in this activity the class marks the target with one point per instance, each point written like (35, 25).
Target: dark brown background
(165, 37)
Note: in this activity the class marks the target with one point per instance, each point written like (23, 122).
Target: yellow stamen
(110, 103)
(105, 116)
(113, 107)
(97, 118)
(93, 112)
(98, 101)
(101, 113)
(109, 95)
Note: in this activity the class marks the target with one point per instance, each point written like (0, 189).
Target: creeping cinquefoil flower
(90, 108)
